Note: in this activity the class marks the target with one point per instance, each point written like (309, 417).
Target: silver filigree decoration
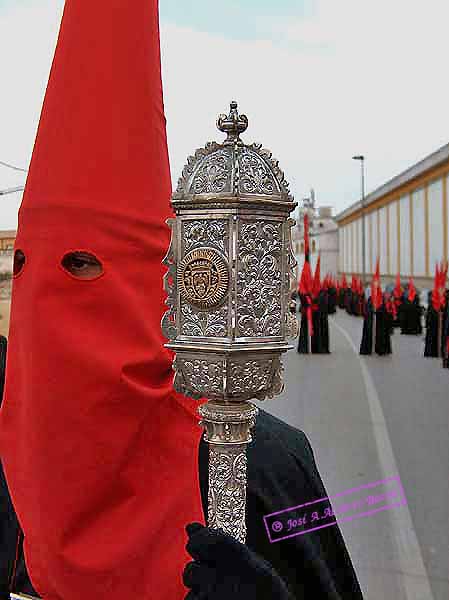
(227, 490)
(256, 379)
(255, 177)
(259, 282)
(292, 325)
(214, 169)
(250, 376)
(274, 166)
(213, 174)
(203, 323)
(204, 377)
(292, 328)
(210, 232)
(169, 319)
(192, 162)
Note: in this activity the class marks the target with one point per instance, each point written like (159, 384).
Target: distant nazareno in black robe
(318, 343)
(434, 342)
(384, 321)
(410, 317)
(332, 300)
(445, 341)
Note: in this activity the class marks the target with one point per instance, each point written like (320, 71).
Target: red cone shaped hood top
(411, 290)
(316, 287)
(100, 454)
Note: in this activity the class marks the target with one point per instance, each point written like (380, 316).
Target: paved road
(372, 418)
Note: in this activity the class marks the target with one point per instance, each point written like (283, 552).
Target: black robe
(306, 344)
(323, 322)
(318, 343)
(384, 321)
(445, 341)
(410, 316)
(355, 304)
(332, 300)
(434, 331)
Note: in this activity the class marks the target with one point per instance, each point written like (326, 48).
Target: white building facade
(323, 240)
(406, 224)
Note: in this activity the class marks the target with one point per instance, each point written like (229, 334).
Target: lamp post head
(358, 157)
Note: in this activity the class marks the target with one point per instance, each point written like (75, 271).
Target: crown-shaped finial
(233, 125)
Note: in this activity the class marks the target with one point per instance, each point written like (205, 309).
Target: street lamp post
(361, 158)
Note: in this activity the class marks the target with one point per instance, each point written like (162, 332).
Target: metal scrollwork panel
(255, 177)
(169, 319)
(206, 232)
(227, 490)
(204, 323)
(213, 174)
(199, 377)
(255, 379)
(292, 325)
(259, 279)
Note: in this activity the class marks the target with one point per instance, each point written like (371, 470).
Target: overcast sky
(320, 80)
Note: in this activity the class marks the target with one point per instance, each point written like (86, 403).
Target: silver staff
(230, 265)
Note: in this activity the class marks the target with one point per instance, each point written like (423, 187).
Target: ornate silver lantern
(228, 282)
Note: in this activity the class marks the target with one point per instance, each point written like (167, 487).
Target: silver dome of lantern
(232, 169)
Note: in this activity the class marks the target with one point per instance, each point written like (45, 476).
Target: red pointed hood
(438, 296)
(306, 237)
(398, 291)
(99, 452)
(344, 282)
(306, 281)
(316, 289)
(411, 290)
(376, 289)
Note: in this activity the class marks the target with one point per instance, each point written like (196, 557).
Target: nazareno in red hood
(100, 454)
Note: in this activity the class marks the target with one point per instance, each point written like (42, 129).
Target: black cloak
(318, 343)
(410, 316)
(384, 321)
(445, 340)
(354, 306)
(304, 341)
(332, 300)
(434, 331)
(323, 322)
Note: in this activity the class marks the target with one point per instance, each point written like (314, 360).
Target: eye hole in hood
(82, 265)
(19, 262)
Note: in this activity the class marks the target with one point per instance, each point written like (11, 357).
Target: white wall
(419, 246)
(405, 235)
(375, 248)
(383, 240)
(393, 208)
(435, 195)
(350, 242)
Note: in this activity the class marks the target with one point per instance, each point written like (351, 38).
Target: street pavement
(370, 418)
